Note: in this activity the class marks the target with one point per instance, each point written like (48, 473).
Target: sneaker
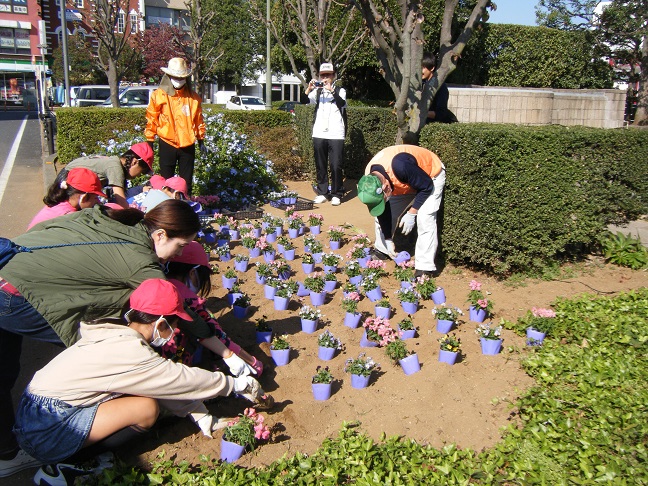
(429, 273)
(335, 201)
(65, 474)
(321, 199)
(18, 463)
(379, 255)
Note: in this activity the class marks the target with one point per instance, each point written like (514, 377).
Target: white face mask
(178, 83)
(158, 341)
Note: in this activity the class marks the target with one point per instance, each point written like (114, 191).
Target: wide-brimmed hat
(158, 297)
(177, 68)
(370, 192)
(326, 67)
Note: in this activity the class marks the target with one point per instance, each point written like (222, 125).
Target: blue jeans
(51, 430)
(17, 319)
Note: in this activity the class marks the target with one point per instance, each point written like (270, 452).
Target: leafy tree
(81, 59)
(310, 32)
(620, 30)
(396, 32)
(159, 44)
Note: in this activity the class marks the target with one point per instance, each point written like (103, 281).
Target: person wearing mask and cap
(80, 190)
(407, 180)
(174, 114)
(329, 130)
(108, 388)
(113, 171)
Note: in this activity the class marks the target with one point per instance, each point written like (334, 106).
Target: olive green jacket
(81, 283)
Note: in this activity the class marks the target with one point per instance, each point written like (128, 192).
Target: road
(22, 183)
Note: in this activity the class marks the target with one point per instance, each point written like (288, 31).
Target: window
(78, 3)
(133, 22)
(14, 41)
(13, 6)
(121, 22)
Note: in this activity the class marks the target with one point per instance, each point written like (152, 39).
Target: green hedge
(79, 129)
(518, 198)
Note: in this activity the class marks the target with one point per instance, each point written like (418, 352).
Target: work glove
(407, 223)
(209, 424)
(201, 146)
(250, 389)
(391, 249)
(236, 365)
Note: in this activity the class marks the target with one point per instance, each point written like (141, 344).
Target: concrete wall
(601, 108)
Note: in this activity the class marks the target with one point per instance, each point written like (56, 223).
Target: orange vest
(426, 160)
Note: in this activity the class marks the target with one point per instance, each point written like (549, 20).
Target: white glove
(407, 223)
(236, 365)
(209, 424)
(391, 248)
(245, 384)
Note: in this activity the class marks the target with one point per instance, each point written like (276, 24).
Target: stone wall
(600, 108)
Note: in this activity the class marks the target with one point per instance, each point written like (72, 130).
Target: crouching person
(104, 390)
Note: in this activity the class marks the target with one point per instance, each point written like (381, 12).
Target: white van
(133, 97)
(92, 95)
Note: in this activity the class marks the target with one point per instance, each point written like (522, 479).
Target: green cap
(370, 192)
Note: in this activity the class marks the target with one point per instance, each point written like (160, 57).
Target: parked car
(92, 95)
(243, 102)
(133, 97)
(74, 91)
(288, 106)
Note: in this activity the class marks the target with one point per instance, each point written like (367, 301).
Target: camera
(319, 84)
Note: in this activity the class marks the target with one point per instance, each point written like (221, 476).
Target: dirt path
(466, 404)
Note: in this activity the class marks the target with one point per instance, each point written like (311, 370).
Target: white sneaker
(321, 199)
(66, 474)
(335, 201)
(18, 463)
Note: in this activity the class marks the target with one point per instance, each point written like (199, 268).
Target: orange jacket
(175, 116)
(426, 160)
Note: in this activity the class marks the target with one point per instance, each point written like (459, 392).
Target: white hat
(177, 68)
(326, 67)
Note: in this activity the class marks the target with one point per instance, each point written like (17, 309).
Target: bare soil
(466, 404)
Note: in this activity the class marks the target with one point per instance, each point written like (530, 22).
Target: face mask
(158, 341)
(178, 83)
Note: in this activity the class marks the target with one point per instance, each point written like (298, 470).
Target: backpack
(340, 103)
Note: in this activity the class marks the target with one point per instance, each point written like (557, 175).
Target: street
(21, 197)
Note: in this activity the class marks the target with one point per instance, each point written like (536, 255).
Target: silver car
(133, 97)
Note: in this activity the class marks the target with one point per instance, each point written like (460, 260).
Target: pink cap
(113, 205)
(84, 180)
(193, 254)
(144, 151)
(158, 297)
(157, 181)
(177, 183)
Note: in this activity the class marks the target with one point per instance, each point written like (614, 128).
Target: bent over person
(174, 114)
(405, 179)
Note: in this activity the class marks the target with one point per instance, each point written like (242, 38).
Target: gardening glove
(201, 146)
(407, 223)
(208, 423)
(236, 365)
(391, 248)
(250, 389)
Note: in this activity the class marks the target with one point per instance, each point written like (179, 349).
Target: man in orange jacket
(174, 114)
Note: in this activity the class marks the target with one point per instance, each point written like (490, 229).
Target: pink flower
(483, 303)
(375, 264)
(354, 296)
(541, 312)
(474, 285)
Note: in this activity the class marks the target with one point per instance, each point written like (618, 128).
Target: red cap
(193, 254)
(84, 180)
(158, 297)
(144, 151)
(157, 181)
(177, 183)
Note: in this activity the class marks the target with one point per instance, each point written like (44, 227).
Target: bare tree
(203, 59)
(399, 43)
(326, 30)
(109, 20)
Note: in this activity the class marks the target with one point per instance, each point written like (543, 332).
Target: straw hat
(177, 68)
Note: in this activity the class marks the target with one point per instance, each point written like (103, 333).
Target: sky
(514, 12)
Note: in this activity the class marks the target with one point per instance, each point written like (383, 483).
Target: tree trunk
(113, 82)
(641, 115)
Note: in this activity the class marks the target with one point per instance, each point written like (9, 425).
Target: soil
(467, 404)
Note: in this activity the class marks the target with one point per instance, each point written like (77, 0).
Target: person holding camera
(329, 130)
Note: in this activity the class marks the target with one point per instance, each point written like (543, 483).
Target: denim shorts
(51, 430)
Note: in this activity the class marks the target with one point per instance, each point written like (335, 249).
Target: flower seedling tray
(302, 204)
(205, 218)
(249, 213)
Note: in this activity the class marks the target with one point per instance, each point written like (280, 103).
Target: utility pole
(268, 71)
(64, 48)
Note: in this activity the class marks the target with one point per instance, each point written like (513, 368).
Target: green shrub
(624, 250)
